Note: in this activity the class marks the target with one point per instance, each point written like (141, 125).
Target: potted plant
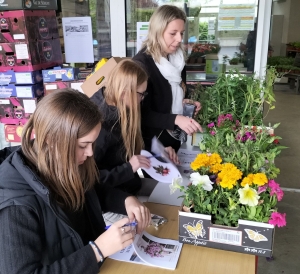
(233, 185)
(241, 95)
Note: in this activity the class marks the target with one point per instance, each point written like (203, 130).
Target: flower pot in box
(249, 237)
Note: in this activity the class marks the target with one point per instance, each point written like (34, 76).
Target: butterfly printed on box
(255, 236)
(195, 231)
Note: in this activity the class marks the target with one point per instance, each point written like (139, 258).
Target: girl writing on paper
(118, 147)
(163, 58)
(50, 204)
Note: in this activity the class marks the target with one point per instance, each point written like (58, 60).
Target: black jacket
(110, 152)
(36, 234)
(157, 106)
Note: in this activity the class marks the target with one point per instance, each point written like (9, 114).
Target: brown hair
(157, 25)
(58, 121)
(126, 77)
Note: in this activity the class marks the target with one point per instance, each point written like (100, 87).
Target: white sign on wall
(78, 39)
(141, 34)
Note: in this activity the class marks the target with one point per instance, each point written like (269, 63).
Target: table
(192, 260)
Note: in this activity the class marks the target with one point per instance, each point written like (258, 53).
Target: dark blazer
(110, 152)
(37, 236)
(157, 106)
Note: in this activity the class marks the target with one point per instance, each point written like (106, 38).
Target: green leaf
(252, 212)
(222, 211)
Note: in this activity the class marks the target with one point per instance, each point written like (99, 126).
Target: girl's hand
(187, 124)
(115, 238)
(139, 212)
(138, 161)
(196, 103)
(172, 155)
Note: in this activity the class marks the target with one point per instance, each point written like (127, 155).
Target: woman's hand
(196, 103)
(172, 155)
(187, 124)
(115, 238)
(137, 211)
(138, 161)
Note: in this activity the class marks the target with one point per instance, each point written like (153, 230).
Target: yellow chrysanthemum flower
(229, 175)
(215, 158)
(202, 160)
(260, 179)
(248, 180)
(215, 168)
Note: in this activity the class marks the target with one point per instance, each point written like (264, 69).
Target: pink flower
(213, 132)
(277, 219)
(262, 188)
(211, 125)
(273, 184)
(275, 189)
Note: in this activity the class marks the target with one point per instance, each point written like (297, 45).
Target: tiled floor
(286, 254)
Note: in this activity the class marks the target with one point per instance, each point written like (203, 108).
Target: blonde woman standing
(118, 147)
(163, 59)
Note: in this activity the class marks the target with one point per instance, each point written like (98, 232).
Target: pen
(129, 224)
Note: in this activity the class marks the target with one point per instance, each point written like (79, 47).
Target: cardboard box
(75, 84)
(64, 74)
(13, 133)
(11, 77)
(16, 110)
(98, 79)
(27, 25)
(22, 91)
(28, 4)
(30, 56)
(249, 237)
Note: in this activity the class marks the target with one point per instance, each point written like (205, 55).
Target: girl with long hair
(120, 141)
(51, 202)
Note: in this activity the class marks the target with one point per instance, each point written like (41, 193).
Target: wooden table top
(192, 260)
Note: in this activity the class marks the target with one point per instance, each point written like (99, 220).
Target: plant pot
(192, 60)
(249, 237)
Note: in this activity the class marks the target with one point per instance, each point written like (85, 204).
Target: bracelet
(93, 244)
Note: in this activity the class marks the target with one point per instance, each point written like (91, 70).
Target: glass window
(228, 24)
(100, 15)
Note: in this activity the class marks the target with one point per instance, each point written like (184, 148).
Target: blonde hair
(59, 120)
(158, 23)
(126, 77)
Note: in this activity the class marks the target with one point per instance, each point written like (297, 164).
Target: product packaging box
(16, 110)
(30, 56)
(28, 4)
(64, 74)
(253, 238)
(50, 87)
(27, 25)
(22, 91)
(13, 133)
(98, 78)
(23, 78)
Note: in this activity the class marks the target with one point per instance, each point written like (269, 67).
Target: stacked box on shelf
(16, 111)
(21, 84)
(59, 78)
(28, 4)
(29, 40)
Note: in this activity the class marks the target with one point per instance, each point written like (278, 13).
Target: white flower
(248, 196)
(202, 180)
(176, 184)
